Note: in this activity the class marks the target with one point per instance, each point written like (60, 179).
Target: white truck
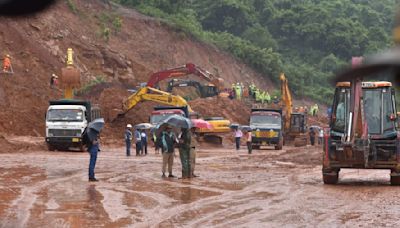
(66, 120)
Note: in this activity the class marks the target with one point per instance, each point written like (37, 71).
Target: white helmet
(129, 126)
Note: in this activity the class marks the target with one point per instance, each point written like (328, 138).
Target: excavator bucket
(70, 77)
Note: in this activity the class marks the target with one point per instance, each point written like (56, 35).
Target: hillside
(140, 45)
(309, 40)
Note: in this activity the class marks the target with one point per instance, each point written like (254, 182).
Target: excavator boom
(151, 94)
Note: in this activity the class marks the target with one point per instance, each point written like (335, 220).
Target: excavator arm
(151, 94)
(187, 69)
(286, 100)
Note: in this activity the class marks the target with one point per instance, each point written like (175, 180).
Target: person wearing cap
(168, 140)
(128, 139)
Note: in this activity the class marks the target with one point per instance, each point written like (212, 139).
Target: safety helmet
(129, 126)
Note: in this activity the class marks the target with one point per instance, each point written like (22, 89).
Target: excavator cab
(366, 140)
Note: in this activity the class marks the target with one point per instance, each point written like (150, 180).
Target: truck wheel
(330, 178)
(395, 180)
(51, 147)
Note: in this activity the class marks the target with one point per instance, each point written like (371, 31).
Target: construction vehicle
(207, 90)
(266, 125)
(68, 118)
(295, 123)
(185, 70)
(362, 131)
(161, 113)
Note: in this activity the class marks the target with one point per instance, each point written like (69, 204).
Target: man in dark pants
(168, 140)
(144, 141)
(128, 139)
(312, 136)
(138, 138)
(93, 150)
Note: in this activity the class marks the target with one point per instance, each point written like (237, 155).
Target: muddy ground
(265, 189)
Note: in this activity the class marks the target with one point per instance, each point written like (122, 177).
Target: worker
(53, 81)
(7, 64)
(312, 136)
(154, 139)
(238, 135)
(315, 110)
(257, 93)
(320, 136)
(93, 149)
(249, 141)
(184, 152)
(128, 139)
(144, 141)
(168, 140)
(193, 144)
(238, 91)
(275, 100)
(267, 97)
(138, 140)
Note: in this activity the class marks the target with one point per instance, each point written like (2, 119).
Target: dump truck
(266, 125)
(66, 120)
(362, 131)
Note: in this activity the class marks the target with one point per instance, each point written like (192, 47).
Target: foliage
(71, 5)
(309, 40)
(88, 86)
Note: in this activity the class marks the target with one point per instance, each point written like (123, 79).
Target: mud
(265, 189)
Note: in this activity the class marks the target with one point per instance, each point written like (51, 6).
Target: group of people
(166, 141)
(139, 136)
(316, 132)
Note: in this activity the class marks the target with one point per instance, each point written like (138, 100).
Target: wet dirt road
(266, 189)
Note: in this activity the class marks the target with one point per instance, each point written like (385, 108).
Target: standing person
(184, 152)
(168, 140)
(93, 149)
(144, 141)
(238, 135)
(248, 141)
(53, 81)
(7, 64)
(138, 139)
(193, 144)
(320, 136)
(128, 139)
(155, 140)
(312, 136)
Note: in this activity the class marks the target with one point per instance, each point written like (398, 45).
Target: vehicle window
(340, 110)
(373, 110)
(388, 125)
(65, 115)
(265, 119)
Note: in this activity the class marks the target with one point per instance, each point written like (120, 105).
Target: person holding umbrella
(93, 144)
(138, 138)
(128, 139)
(184, 152)
(168, 140)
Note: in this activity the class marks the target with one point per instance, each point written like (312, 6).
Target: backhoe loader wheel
(395, 180)
(330, 178)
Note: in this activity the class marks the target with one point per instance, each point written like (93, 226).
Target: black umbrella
(96, 125)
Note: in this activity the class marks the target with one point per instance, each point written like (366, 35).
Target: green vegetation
(88, 86)
(308, 40)
(71, 5)
(108, 21)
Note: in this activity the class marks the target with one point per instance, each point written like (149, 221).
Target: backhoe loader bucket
(70, 78)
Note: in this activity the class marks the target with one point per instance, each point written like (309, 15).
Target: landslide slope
(143, 45)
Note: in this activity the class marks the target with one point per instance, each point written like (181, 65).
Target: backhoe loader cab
(367, 140)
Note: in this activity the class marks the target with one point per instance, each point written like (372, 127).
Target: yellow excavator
(295, 123)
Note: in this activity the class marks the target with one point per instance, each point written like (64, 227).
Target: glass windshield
(378, 108)
(340, 109)
(265, 119)
(75, 115)
(157, 118)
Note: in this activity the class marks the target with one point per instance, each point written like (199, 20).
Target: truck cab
(66, 120)
(158, 116)
(380, 150)
(266, 125)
